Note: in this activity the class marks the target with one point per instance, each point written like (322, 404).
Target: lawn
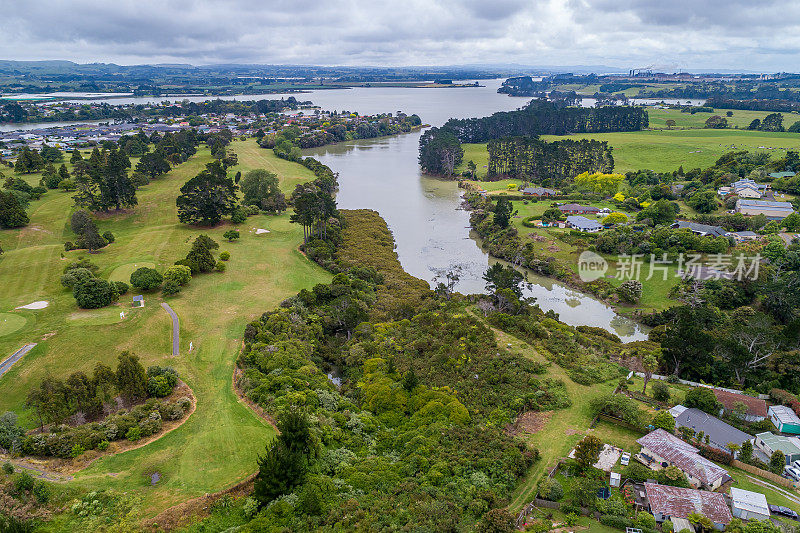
(740, 118)
(218, 444)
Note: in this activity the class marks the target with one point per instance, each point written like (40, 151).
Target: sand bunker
(39, 304)
(261, 231)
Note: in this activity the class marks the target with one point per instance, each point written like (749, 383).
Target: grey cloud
(735, 34)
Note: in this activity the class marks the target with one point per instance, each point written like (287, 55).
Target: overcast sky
(760, 35)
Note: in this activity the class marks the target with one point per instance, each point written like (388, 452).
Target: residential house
(583, 224)
(748, 408)
(661, 449)
(700, 229)
(749, 505)
(719, 433)
(575, 209)
(666, 502)
(539, 192)
(769, 443)
(771, 210)
(742, 236)
(784, 419)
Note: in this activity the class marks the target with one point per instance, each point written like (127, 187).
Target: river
(430, 230)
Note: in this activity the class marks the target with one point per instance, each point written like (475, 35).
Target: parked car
(791, 473)
(796, 464)
(625, 459)
(783, 511)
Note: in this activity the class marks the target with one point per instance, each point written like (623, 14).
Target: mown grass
(218, 444)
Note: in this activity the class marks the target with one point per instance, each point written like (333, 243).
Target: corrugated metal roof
(785, 414)
(682, 455)
(764, 203)
(680, 502)
(749, 501)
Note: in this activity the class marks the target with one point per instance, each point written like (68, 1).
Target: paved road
(176, 330)
(5, 366)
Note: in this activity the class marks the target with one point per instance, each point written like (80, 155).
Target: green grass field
(217, 446)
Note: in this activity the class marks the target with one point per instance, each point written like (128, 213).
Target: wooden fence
(774, 478)
(621, 423)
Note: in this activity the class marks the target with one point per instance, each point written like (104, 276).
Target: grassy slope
(217, 446)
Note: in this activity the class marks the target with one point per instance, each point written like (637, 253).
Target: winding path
(176, 330)
(5, 366)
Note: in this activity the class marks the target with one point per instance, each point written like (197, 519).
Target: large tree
(153, 164)
(207, 197)
(131, 377)
(260, 188)
(12, 213)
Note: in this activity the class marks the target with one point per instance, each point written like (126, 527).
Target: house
(719, 433)
(575, 209)
(583, 224)
(754, 409)
(784, 419)
(771, 210)
(749, 505)
(742, 236)
(700, 229)
(666, 502)
(677, 410)
(661, 449)
(138, 301)
(539, 192)
(769, 443)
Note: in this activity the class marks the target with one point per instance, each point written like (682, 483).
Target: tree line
(532, 158)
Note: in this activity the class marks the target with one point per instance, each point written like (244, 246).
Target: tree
(772, 122)
(94, 293)
(12, 213)
(499, 276)
(733, 448)
(287, 457)
(472, 168)
(153, 164)
(670, 123)
(661, 212)
(599, 182)
(131, 377)
(92, 240)
(716, 122)
(587, 451)
(207, 197)
(702, 398)
(649, 364)
(440, 151)
(615, 218)
(180, 274)
(552, 214)
(260, 188)
(231, 235)
(664, 421)
(704, 201)
(503, 211)
(496, 521)
(200, 259)
(747, 451)
(630, 291)
(79, 220)
(76, 156)
(777, 462)
(660, 391)
(146, 279)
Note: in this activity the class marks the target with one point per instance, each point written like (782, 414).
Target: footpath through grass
(564, 428)
(218, 445)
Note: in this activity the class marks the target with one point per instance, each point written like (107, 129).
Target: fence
(775, 478)
(695, 384)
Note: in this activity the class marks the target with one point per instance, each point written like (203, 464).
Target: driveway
(176, 330)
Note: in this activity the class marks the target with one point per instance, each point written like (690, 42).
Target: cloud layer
(723, 34)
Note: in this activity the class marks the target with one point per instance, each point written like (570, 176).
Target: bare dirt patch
(529, 422)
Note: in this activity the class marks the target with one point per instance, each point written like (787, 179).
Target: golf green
(10, 322)
(123, 272)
